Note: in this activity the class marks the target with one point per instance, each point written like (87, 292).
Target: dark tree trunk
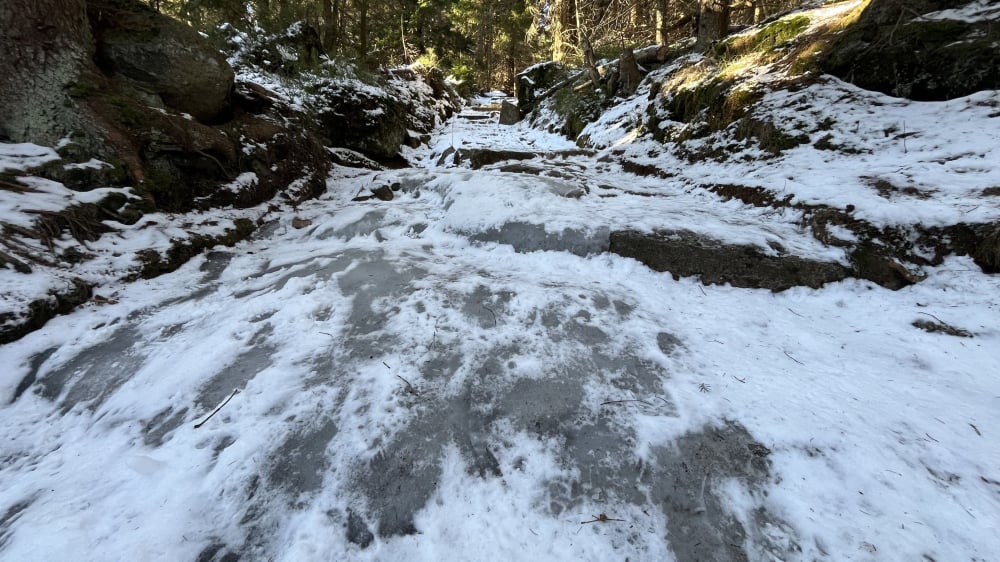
(363, 30)
(713, 22)
(45, 45)
(330, 14)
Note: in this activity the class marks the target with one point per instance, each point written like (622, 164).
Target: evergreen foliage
(481, 42)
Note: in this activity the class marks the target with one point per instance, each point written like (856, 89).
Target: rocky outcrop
(73, 293)
(535, 83)
(379, 121)
(360, 118)
(896, 49)
(685, 254)
(162, 57)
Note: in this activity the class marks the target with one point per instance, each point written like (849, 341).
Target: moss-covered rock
(890, 50)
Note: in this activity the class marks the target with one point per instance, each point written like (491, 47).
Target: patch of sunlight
(750, 63)
(690, 77)
(834, 17)
(630, 137)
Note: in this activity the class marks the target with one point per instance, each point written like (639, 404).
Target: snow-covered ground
(393, 380)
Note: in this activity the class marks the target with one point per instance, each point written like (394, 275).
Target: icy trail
(460, 374)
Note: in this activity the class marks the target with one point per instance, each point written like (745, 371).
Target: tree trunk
(44, 47)
(328, 12)
(363, 30)
(590, 61)
(661, 22)
(713, 22)
(562, 16)
(628, 69)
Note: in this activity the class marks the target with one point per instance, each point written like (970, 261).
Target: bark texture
(713, 22)
(45, 45)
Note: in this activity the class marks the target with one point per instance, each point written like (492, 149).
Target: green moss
(716, 104)
(577, 109)
(769, 37)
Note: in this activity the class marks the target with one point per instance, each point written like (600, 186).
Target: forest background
(483, 43)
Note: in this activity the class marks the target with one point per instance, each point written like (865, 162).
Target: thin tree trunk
(661, 22)
(562, 10)
(363, 29)
(326, 13)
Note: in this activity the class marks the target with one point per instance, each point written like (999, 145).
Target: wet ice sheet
(395, 378)
(416, 381)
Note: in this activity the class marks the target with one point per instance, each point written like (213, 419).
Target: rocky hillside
(179, 148)
(898, 173)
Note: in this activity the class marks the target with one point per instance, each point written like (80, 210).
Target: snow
(972, 12)
(939, 172)
(418, 366)
(22, 156)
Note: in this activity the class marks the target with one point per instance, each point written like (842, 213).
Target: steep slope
(897, 183)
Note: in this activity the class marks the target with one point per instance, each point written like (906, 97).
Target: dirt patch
(941, 328)
(755, 196)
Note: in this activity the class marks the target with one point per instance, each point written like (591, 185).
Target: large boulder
(377, 121)
(360, 118)
(912, 49)
(509, 113)
(162, 56)
(534, 81)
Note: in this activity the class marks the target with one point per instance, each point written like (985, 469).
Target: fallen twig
(795, 313)
(976, 429)
(409, 387)
(792, 358)
(602, 518)
(623, 401)
(491, 312)
(934, 317)
(743, 380)
(216, 411)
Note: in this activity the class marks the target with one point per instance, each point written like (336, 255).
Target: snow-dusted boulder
(162, 55)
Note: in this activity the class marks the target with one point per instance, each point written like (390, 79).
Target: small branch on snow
(792, 358)
(409, 387)
(934, 317)
(624, 401)
(976, 429)
(216, 411)
(602, 518)
(490, 310)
